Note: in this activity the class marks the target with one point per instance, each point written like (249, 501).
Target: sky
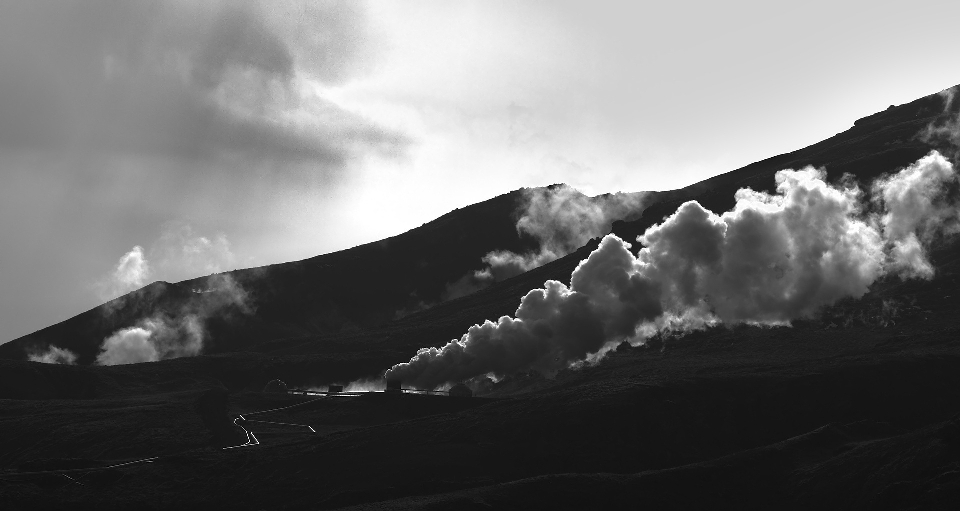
(144, 140)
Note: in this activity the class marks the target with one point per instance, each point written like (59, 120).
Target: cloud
(53, 355)
(769, 260)
(185, 79)
(561, 220)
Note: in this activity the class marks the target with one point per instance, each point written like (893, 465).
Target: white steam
(561, 220)
(181, 253)
(946, 129)
(771, 259)
(132, 272)
(376, 385)
(54, 355)
(154, 339)
(165, 336)
(918, 205)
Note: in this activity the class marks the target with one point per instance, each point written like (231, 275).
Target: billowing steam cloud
(165, 336)
(54, 355)
(920, 205)
(562, 220)
(155, 339)
(771, 259)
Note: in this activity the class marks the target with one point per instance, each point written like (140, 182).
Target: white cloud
(132, 272)
(128, 346)
(769, 260)
(54, 355)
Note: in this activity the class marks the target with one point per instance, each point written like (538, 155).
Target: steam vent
(460, 390)
(275, 386)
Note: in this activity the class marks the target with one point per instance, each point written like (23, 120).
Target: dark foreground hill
(854, 409)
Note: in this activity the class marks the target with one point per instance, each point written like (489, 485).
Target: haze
(231, 134)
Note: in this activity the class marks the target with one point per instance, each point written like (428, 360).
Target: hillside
(853, 408)
(368, 286)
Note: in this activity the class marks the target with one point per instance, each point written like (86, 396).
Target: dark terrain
(857, 408)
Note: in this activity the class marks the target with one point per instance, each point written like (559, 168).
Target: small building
(460, 390)
(394, 387)
(334, 389)
(275, 386)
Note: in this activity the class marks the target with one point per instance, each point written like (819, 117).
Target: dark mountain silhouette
(856, 408)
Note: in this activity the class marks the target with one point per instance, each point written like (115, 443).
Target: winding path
(240, 421)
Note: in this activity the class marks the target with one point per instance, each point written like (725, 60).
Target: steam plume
(54, 355)
(769, 260)
(155, 339)
(132, 272)
(165, 336)
(179, 253)
(946, 129)
(920, 206)
(561, 220)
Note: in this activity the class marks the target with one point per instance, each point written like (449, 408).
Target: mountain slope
(367, 288)
(856, 408)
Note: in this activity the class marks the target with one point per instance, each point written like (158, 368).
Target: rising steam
(771, 259)
(182, 334)
(132, 272)
(179, 253)
(561, 220)
(944, 131)
(53, 355)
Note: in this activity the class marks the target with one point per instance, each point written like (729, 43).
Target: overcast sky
(225, 134)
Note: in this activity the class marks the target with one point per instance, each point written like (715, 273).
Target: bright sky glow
(338, 123)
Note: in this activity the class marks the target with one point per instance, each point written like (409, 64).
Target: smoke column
(561, 219)
(769, 260)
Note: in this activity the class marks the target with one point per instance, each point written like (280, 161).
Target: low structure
(394, 387)
(460, 390)
(334, 389)
(275, 386)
